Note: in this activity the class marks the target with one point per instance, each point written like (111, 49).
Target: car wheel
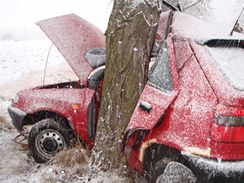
(176, 173)
(46, 139)
(157, 158)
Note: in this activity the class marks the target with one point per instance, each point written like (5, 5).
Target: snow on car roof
(191, 27)
(226, 50)
(230, 62)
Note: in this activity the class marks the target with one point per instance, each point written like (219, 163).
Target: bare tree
(197, 8)
(129, 41)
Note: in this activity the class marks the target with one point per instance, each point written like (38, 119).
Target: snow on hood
(73, 36)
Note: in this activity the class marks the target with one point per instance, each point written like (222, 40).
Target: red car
(60, 110)
(192, 108)
(191, 111)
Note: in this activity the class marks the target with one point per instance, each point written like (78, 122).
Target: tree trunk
(129, 40)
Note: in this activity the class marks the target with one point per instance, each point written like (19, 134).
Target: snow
(193, 27)
(231, 62)
(212, 167)
(19, 57)
(22, 65)
(135, 49)
(136, 3)
(175, 173)
(225, 13)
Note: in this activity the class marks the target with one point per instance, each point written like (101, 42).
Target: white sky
(15, 13)
(225, 12)
(22, 13)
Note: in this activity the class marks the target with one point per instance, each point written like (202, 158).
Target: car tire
(176, 173)
(157, 158)
(46, 138)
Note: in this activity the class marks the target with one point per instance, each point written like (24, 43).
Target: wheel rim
(49, 142)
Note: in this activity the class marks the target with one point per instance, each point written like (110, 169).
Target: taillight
(230, 120)
(228, 129)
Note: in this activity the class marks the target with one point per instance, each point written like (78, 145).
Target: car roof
(191, 27)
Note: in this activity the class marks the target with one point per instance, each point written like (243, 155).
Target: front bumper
(215, 168)
(17, 117)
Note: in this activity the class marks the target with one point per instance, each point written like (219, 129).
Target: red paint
(228, 134)
(73, 36)
(227, 151)
(62, 102)
(199, 94)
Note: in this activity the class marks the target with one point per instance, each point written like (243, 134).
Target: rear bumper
(215, 168)
(17, 117)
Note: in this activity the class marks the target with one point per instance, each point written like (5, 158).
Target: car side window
(160, 75)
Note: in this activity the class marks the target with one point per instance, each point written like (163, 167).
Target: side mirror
(96, 76)
(145, 106)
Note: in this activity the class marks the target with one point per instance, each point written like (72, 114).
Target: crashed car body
(192, 108)
(72, 105)
(190, 111)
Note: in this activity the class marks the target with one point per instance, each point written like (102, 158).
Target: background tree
(198, 8)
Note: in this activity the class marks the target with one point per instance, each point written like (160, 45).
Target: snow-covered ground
(22, 66)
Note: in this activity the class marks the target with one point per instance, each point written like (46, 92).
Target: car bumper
(215, 168)
(17, 117)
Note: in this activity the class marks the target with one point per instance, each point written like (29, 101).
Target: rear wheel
(47, 138)
(157, 158)
(176, 173)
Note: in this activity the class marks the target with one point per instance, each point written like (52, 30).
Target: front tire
(47, 138)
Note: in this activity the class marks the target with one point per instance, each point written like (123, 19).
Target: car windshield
(159, 75)
(230, 62)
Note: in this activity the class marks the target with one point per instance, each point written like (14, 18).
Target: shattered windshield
(230, 62)
(160, 76)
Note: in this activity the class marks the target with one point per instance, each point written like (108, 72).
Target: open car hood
(73, 37)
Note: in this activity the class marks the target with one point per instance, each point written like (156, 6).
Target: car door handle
(145, 106)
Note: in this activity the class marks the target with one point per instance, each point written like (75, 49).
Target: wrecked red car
(192, 108)
(191, 111)
(56, 109)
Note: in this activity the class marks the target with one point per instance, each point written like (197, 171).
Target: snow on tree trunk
(129, 41)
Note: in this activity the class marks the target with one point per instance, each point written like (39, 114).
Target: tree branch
(193, 4)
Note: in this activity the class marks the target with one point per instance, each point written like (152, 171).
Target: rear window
(230, 62)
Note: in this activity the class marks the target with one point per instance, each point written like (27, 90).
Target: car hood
(73, 37)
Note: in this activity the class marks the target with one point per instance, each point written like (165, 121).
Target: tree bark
(129, 40)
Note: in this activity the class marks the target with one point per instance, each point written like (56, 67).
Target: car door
(159, 92)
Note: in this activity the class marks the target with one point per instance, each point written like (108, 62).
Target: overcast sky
(20, 13)
(27, 12)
